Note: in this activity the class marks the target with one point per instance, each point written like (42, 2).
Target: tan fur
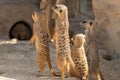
(63, 57)
(41, 38)
(46, 5)
(79, 56)
(92, 51)
(71, 34)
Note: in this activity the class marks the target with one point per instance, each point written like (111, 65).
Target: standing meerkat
(40, 37)
(92, 51)
(62, 42)
(79, 56)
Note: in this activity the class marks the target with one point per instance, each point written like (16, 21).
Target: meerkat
(92, 51)
(79, 57)
(62, 42)
(46, 5)
(40, 37)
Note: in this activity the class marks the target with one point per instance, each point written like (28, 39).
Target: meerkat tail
(50, 66)
(73, 66)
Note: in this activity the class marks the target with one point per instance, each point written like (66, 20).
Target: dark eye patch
(91, 23)
(60, 10)
(84, 21)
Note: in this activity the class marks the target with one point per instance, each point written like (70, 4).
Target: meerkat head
(43, 4)
(38, 16)
(79, 40)
(61, 11)
(86, 23)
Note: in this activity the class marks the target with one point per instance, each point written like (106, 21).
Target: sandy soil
(17, 62)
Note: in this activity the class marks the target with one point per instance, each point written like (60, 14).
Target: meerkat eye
(60, 10)
(84, 21)
(91, 23)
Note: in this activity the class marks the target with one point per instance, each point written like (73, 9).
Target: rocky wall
(107, 13)
(10, 13)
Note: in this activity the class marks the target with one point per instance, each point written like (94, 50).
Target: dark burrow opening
(20, 30)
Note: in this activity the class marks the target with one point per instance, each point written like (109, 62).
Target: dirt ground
(17, 62)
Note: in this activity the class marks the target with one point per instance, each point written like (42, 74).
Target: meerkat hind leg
(68, 69)
(41, 65)
(41, 68)
(62, 70)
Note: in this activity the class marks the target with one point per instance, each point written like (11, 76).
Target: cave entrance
(21, 31)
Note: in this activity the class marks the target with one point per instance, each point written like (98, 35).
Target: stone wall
(15, 11)
(107, 13)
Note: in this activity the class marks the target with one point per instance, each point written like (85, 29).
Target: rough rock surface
(17, 62)
(107, 15)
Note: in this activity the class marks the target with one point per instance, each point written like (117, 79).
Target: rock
(107, 15)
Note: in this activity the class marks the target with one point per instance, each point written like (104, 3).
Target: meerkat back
(79, 56)
(41, 38)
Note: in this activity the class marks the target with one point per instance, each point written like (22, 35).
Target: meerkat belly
(42, 46)
(63, 45)
(62, 51)
(80, 61)
(93, 55)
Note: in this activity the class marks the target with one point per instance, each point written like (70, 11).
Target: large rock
(107, 13)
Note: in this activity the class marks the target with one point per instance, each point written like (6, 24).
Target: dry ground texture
(17, 62)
